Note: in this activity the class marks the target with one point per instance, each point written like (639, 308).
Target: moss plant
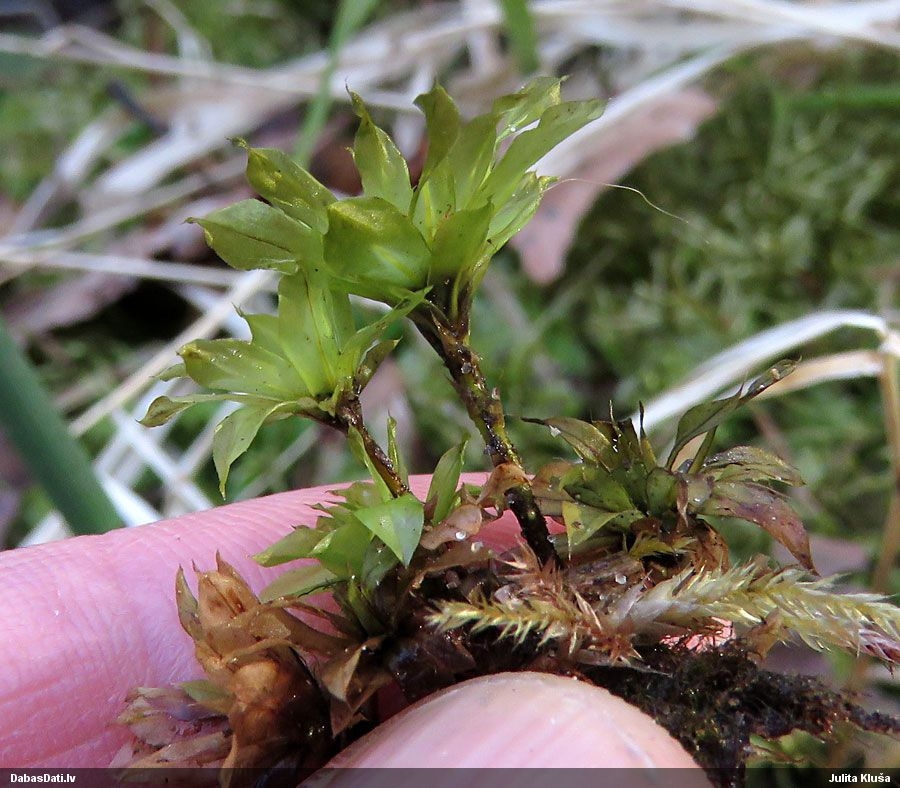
(619, 567)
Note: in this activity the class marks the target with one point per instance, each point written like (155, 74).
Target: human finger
(85, 620)
(517, 720)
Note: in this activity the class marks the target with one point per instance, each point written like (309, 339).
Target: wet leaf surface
(760, 505)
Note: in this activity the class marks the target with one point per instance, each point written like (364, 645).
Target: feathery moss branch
(693, 601)
(748, 595)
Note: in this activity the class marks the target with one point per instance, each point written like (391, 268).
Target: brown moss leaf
(503, 478)
(157, 716)
(271, 709)
(457, 556)
(365, 681)
(766, 508)
(335, 674)
(204, 750)
(187, 606)
(462, 522)
(222, 595)
(278, 711)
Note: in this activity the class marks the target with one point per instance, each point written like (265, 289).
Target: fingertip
(519, 720)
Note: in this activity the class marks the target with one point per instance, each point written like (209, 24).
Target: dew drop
(460, 535)
(621, 579)
(555, 432)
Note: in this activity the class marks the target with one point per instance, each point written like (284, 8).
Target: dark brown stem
(486, 411)
(349, 415)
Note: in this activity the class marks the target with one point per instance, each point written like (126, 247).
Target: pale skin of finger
(517, 720)
(85, 620)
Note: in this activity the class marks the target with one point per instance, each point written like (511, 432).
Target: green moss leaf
(285, 184)
(442, 124)
(354, 361)
(377, 562)
(171, 373)
(300, 582)
(381, 166)
(442, 490)
(234, 365)
(661, 490)
(582, 522)
(299, 543)
(517, 211)
(371, 360)
(314, 319)
(594, 487)
(699, 420)
(359, 495)
(770, 377)
(234, 434)
(750, 464)
(588, 441)
(707, 416)
(398, 523)
(358, 448)
(344, 549)
(164, 408)
(394, 454)
(459, 243)
(434, 198)
(522, 108)
(264, 330)
(251, 234)
(470, 160)
(556, 123)
(370, 243)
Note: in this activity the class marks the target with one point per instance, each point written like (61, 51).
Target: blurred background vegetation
(759, 146)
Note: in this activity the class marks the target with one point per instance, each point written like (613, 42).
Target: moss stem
(485, 409)
(349, 415)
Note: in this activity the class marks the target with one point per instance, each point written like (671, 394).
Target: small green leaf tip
(161, 410)
(381, 166)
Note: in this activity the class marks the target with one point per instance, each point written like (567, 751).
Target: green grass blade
(519, 26)
(858, 97)
(351, 16)
(55, 458)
